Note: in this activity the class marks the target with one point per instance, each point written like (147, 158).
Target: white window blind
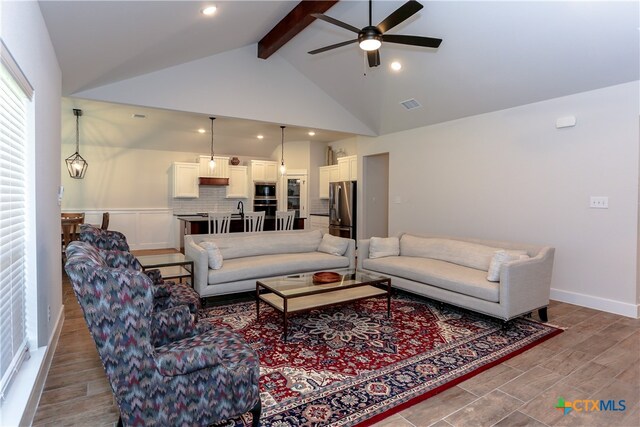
(15, 94)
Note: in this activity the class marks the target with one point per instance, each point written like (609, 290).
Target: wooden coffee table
(298, 293)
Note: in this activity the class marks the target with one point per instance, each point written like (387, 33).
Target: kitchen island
(197, 224)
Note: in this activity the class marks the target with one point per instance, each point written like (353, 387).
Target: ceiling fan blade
(401, 14)
(334, 21)
(333, 46)
(411, 40)
(374, 58)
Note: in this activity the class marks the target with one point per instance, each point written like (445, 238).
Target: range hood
(213, 181)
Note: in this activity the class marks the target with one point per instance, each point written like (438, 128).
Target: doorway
(375, 198)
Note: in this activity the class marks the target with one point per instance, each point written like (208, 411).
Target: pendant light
(283, 168)
(212, 163)
(76, 165)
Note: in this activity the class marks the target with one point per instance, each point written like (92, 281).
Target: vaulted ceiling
(494, 55)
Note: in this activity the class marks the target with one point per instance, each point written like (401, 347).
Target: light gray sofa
(454, 270)
(248, 257)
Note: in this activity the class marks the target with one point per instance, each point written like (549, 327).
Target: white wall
(348, 145)
(121, 178)
(25, 35)
(512, 175)
(235, 84)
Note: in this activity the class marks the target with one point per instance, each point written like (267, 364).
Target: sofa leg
(255, 412)
(542, 312)
(120, 422)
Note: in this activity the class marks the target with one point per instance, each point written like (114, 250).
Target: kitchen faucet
(240, 207)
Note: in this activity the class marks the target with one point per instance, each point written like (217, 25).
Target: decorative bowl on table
(326, 277)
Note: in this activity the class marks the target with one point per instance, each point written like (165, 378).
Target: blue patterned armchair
(103, 239)
(166, 294)
(164, 370)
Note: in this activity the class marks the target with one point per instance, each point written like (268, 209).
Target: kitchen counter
(197, 224)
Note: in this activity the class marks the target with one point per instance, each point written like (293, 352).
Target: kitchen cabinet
(264, 171)
(327, 174)
(220, 171)
(348, 168)
(185, 180)
(238, 183)
(296, 198)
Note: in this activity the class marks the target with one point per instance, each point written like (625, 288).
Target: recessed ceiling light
(311, 133)
(201, 130)
(209, 10)
(396, 66)
(260, 136)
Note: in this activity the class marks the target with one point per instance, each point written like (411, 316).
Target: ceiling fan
(370, 38)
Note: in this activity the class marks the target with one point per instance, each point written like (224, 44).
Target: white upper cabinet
(220, 171)
(348, 168)
(264, 171)
(327, 174)
(185, 180)
(238, 183)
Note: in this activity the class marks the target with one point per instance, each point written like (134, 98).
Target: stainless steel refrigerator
(342, 209)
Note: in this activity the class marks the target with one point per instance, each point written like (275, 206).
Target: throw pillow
(215, 257)
(380, 247)
(500, 258)
(333, 245)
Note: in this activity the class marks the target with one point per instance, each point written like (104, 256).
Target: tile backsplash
(212, 198)
(319, 206)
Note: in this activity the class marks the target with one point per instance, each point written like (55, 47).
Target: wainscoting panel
(144, 228)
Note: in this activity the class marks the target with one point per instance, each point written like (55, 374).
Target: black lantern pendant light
(212, 163)
(76, 165)
(283, 168)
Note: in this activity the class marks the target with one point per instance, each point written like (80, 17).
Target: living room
(505, 173)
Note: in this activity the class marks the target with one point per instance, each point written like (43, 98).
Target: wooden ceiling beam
(296, 21)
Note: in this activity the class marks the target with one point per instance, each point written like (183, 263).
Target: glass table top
(162, 259)
(302, 283)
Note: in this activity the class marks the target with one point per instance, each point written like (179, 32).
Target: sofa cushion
(333, 245)
(256, 244)
(502, 257)
(262, 266)
(467, 254)
(442, 274)
(384, 246)
(214, 254)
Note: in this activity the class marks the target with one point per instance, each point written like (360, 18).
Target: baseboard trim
(598, 303)
(36, 392)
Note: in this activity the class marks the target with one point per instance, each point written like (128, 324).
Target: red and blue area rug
(351, 365)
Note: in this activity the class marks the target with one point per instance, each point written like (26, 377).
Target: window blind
(14, 102)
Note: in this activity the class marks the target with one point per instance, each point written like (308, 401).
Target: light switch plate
(599, 202)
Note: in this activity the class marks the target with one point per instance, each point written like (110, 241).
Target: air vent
(138, 116)
(410, 104)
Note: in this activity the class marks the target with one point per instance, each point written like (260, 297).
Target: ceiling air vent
(410, 104)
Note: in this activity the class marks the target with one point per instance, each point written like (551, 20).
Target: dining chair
(284, 220)
(70, 230)
(218, 222)
(105, 221)
(253, 221)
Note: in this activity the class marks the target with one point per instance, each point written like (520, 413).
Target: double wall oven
(265, 198)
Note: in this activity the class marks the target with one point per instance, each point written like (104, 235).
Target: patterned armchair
(178, 375)
(166, 294)
(103, 239)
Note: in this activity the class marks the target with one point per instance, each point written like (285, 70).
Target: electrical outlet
(599, 202)
(49, 313)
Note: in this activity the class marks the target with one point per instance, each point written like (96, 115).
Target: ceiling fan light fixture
(369, 39)
(370, 44)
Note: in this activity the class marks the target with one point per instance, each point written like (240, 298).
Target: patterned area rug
(352, 365)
